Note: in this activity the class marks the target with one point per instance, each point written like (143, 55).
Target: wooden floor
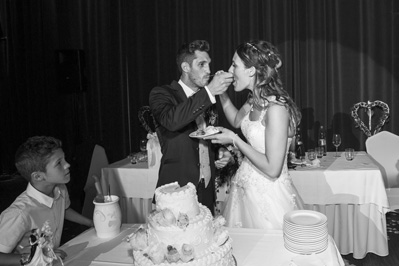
(71, 230)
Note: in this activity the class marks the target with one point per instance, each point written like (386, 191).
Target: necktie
(205, 169)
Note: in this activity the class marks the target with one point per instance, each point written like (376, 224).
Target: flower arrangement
(212, 116)
(224, 175)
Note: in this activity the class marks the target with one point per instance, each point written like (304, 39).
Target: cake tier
(177, 199)
(199, 233)
(215, 256)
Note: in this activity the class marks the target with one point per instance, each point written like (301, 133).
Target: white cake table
(251, 247)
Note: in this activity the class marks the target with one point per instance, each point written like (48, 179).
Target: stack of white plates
(305, 232)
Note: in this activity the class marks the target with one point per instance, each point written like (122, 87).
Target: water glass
(311, 154)
(319, 152)
(133, 158)
(349, 154)
(143, 145)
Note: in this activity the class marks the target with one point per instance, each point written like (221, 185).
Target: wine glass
(336, 142)
(143, 145)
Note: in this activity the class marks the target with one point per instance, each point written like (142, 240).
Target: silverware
(99, 197)
(127, 238)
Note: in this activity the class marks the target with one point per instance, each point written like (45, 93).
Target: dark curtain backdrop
(336, 53)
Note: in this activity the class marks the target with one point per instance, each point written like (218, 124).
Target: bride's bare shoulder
(276, 108)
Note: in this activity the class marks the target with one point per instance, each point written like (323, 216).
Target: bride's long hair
(265, 58)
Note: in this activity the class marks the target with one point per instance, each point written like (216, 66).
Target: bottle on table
(299, 147)
(322, 140)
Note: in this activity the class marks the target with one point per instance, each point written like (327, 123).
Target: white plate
(305, 228)
(306, 240)
(305, 245)
(305, 233)
(305, 218)
(305, 251)
(299, 232)
(195, 135)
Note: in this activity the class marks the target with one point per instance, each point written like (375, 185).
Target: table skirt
(356, 229)
(251, 247)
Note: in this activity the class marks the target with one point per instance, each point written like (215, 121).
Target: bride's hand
(224, 137)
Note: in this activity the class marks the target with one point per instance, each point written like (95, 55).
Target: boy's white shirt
(31, 209)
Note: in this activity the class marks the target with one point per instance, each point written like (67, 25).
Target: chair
(98, 160)
(370, 110)
(384, 149)
(148, 121)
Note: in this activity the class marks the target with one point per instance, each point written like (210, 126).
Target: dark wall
(336, 53)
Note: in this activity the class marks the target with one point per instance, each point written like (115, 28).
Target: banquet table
(251, 247)
(134, 184)
(352, 195)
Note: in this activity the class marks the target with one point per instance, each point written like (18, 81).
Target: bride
(262, 190)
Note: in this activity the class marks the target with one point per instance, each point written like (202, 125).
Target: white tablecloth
(251, 247)
(134, 184)
(352, 195)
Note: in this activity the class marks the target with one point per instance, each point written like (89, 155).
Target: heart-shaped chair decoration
(147, 120)
(369, 109)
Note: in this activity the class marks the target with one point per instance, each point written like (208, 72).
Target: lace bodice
(254, 132)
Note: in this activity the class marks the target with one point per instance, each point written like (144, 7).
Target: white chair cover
(98, 160)
(154, 151)
(384, 149)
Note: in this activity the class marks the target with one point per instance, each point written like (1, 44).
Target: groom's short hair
(186, 52)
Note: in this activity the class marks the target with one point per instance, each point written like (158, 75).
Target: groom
(180, 109)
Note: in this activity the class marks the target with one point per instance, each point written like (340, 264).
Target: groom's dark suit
(176, 114)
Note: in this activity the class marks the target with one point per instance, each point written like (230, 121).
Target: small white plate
(305, 218)
(196, 134)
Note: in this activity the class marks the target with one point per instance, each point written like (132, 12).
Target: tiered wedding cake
(181, 231)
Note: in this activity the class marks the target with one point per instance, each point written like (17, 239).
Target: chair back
(148, 121)
(98, 161)
(379, 117)
(383, 147)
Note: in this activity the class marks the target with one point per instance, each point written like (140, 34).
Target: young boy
(41, 161)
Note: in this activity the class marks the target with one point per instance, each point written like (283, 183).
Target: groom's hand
(220, 82)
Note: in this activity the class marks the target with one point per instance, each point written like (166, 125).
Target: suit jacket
(176, 114)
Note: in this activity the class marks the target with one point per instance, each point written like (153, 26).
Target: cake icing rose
(181, 231)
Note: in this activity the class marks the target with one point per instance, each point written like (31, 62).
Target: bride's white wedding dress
(256, 200)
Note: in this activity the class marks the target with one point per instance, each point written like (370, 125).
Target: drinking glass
(336, 141)
(311, 155)
(319, 152)
(349, 154)
(143, 145)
